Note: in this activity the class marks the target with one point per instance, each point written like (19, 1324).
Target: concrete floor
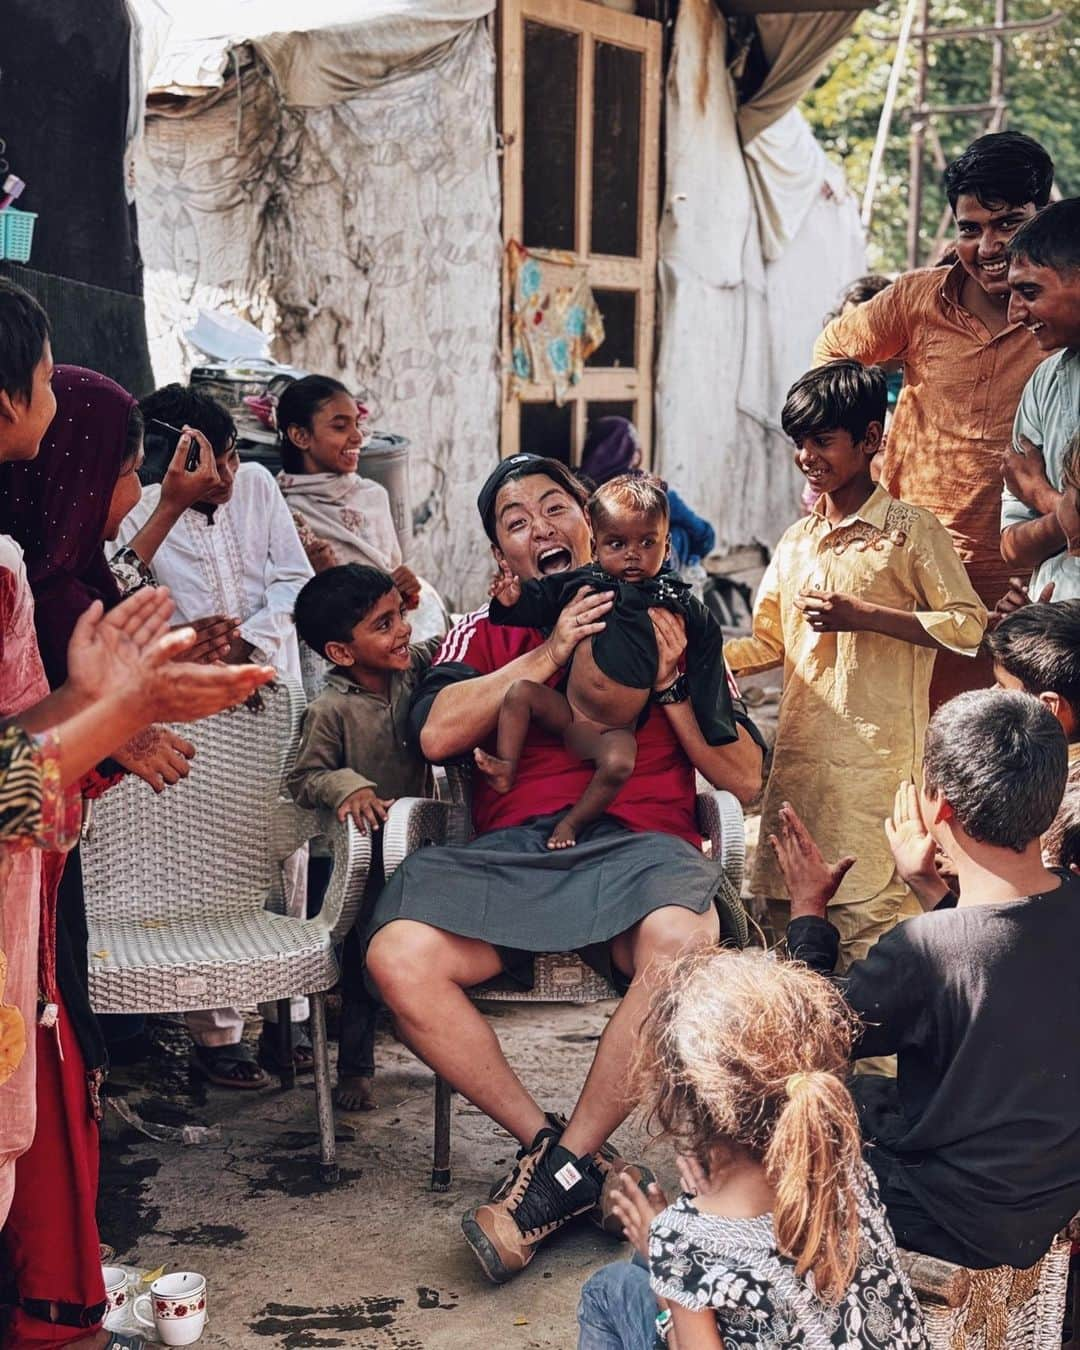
(377, 1262)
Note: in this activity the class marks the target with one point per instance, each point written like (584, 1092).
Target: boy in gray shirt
(357, 756)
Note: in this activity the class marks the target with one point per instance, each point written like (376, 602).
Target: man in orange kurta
(965, 367)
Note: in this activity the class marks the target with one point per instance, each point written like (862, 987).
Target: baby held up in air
(612, 674)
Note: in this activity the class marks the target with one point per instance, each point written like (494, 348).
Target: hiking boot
(547, 1189)
(611, 1166)
(554, 1127)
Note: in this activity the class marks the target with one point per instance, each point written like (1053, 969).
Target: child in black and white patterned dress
(779, 1239)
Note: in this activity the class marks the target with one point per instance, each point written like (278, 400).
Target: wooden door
(580, 112)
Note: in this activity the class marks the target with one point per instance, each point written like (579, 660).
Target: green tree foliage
(1042, 86)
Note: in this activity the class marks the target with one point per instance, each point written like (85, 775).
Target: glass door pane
(619, 347)
(552, 57)
(547, 429)
(617, 96)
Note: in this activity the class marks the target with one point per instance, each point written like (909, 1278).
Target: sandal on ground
(303, 1053)
(229, 1066)
(353, 1093)
(122, 1341)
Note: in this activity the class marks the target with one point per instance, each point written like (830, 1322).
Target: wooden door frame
(593, 22)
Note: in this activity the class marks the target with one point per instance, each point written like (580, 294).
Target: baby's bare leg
(524, 702)
(614, 753)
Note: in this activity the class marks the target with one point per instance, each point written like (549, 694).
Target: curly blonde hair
(739, 1049)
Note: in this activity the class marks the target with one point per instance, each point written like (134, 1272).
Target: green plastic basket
(16, 234)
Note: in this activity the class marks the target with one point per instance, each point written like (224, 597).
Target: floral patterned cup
(117, 1295)
(175, 1307)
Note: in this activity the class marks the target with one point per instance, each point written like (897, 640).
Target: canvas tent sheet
(345, 197)
(364, 233)
(750, 263)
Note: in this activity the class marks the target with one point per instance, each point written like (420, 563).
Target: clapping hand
(811, 881)
(831, 611)
(635, 1209)
(1023, 471)
(913, 848)
(1016, 597)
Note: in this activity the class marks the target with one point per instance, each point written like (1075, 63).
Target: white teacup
(175, 1307)
(117, 1294)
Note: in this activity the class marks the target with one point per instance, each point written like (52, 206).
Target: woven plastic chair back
(1000, 1308)
(212, 845)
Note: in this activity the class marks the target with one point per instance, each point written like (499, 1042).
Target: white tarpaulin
(736, 329)
(365, 237)
(192, 39)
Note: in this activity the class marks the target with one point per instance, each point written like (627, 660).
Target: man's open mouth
(995, 268)
(556, 559)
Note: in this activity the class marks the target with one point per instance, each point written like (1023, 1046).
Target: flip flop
(120, 1341)
(214, 1061)
(303, 1052)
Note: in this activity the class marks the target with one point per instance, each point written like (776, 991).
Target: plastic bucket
(385, 459)
(16, 234)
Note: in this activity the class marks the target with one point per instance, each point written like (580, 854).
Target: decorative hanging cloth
(555, 322)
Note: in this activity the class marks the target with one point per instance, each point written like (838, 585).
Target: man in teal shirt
(1044, 278)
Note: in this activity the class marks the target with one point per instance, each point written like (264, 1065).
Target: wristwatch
(678, 692)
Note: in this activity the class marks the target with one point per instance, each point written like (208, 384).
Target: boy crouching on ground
(857, 599)
(977, 1142)
(356, 756)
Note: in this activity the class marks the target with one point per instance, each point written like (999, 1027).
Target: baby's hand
(635, 1209)
(367, 810)
(506, 588)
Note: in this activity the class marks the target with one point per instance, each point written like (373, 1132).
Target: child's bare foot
(500, 773)
(564, 835)
(355, 1094)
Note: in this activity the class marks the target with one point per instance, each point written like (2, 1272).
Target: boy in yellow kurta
(856, 601)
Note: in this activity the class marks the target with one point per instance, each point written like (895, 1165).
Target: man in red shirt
(636, 889)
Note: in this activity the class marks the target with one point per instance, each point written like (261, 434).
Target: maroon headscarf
(56, 506)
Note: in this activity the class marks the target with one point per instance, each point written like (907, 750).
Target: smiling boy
(1036, 507)
(356, 755)
(966, 359)
(858, 598)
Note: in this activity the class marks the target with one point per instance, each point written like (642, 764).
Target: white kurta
(247, 562)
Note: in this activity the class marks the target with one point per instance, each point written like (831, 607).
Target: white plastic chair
(184, 891)
(558, 977)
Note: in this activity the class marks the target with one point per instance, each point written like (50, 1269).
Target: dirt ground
(377, 1261)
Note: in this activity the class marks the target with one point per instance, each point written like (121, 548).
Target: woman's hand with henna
(213, 636)
(158, 756)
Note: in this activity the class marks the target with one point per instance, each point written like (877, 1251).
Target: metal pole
(998, 69)
(918, 139)
(885, 121)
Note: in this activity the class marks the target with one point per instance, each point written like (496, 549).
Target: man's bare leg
(422, 974)
(614, 752)
(604, 1103)
(526, 701)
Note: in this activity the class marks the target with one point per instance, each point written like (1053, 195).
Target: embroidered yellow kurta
(854, 706)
